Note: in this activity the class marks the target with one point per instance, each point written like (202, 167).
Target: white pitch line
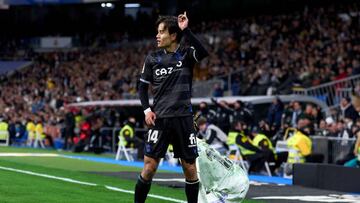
(182, 180)
(87, 183)
(47, 176)
(150, 195)
(29, 155)
(308, 198)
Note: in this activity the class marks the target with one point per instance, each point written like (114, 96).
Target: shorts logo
(192, 139)
(153, 136)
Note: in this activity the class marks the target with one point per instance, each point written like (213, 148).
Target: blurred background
(275, 65)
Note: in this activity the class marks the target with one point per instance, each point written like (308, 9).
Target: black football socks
(192, 191)
(141, 190)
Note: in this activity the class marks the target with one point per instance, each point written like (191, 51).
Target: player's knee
(190, 172)
(189, 167)
(149, 170)
(149, 173)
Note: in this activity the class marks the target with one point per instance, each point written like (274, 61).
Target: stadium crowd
(277, 52)
(305, 48)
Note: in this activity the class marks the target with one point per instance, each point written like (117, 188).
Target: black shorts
(178, 131)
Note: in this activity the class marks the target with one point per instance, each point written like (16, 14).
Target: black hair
(240, 102)
(235, 123)
(170, 23)
(206, 105)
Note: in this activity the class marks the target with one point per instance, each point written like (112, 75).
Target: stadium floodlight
(107, 5)
(132, 5)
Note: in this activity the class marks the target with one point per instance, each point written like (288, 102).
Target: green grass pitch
(18, 187)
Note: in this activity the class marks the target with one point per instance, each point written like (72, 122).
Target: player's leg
(143, 184)
(184, 142)
(192, 180)
(156, 143)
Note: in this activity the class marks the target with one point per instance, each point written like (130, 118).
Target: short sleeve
(146, 72)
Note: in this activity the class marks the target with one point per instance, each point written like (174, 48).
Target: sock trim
(192, 182)
(141, 179)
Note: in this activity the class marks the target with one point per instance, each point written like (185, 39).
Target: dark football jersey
(170, 75)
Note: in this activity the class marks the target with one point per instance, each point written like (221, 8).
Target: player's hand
(150, 118)
(183, 21)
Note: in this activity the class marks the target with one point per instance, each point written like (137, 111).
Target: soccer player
(169, 70)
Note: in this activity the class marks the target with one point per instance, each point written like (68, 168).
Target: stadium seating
(123, 151)
(11, 66)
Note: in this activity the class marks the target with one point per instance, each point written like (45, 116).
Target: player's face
(163, 38)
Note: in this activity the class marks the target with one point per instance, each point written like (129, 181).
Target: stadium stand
(11, 66)
(266, 54)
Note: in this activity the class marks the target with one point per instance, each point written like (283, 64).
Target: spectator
(69, 128)
(300, 144)
(127, 133)
(343, 131)
(354, 160)
(348, 110)
(218, 91)
(332, 130)
(242, 113)
(30, 129)
(206, 112)
(237, 127)
(252, 153)
(264, 143)
(296, 112)
(223, 115)
(275, 113)
(212, 135)
(322, 130)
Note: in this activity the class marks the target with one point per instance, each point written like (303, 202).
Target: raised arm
(225, 108)
(199, 51)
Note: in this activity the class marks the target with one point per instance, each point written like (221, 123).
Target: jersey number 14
(153, 136)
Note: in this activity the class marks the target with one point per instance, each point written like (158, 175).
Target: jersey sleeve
(146, 78)
(210, 136)
(197, 50)
(146, 72)
(192, 54)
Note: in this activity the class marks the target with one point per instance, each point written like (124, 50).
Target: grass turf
(17, 187)
(20, 188)
(70, 164)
